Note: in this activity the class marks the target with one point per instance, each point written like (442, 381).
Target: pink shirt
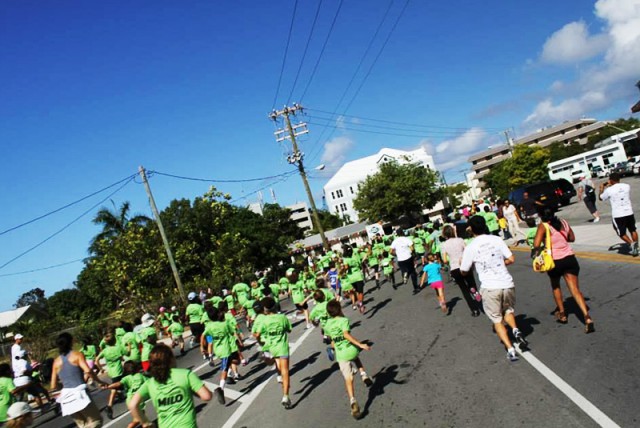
(560, 247)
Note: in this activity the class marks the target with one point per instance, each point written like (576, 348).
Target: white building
(342, 188)
(301, 215)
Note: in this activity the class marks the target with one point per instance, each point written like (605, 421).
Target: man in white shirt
(510, 213)
(402, 248)
(490, 255)
(621, 210)
(16, 349)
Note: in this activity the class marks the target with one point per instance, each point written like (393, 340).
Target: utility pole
(154, 208)
(297, 156)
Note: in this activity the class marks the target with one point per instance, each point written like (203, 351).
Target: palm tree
(114, 223)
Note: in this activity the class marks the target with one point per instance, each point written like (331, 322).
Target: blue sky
(92, 90)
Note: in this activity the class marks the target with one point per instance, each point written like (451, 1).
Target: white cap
(191, 296)
(147, 320)
(18, 336)
(18, 409)
(173, 308)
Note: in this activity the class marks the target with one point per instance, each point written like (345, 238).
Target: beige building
(566, 132)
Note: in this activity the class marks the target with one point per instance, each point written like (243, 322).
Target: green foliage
(527, 165)
(617, 127)
(559, 150)
(453, 192)
(397, 190)
(328, 220)
(34, 297)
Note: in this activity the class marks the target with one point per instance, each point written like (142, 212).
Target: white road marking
(250, 398)
(585, 405)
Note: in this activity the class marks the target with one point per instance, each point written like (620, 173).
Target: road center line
(250, 398)
(585, 405)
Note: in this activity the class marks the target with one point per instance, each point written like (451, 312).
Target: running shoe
(109, 411)
(635, 251)
(362, 309)
(205, 356)
(597, 219)
(279, 379)
(212, 362)
(520, 338)
(355, 409)
(366, 379)
(331, 354)
(286, 402)
(512, 355)
(231, 380)
(309, 325)
(243, 362)
(219, 395)
(354, 307)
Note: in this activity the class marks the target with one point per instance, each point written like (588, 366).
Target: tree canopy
(527, 165)
(397, 190)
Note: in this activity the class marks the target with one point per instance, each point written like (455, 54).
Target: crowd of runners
(139, 357)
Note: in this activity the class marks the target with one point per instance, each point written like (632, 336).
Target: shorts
(621, 224)
(302, 306)
(225, 362)
(375, 268)
(436, 284)
(91, 364)
(358, 286)
(145, 366)
(116, 379)
(209, 339)
(498, 302)
(568, 265)
(591, 205)
(89, 417)
(348, 369)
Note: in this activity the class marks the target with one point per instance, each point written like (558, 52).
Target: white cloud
(451, 153)
(573, 43)
(604, 83)
(335, 152)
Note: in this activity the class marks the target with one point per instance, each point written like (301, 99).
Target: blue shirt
(433, 272)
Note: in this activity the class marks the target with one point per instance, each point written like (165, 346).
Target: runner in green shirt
(113, 355)
(131, 383)
(7, 390)
(215, 301)
(347, 348)
(297, 294)
(256, 291)
(164, 320)
(148, 338)
(418, 247)
(319, 314)
(171, 390)
(274, 332)
(241, 292)
(176, 332)
(90, 353)
(236, 345)
(387, 268)
(354, 274)
(131, 344)
(194, 313)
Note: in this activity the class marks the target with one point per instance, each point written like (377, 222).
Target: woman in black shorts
(566, 265)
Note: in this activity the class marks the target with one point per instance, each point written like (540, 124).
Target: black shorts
(591, 205)
(358, 286)
(562, 266)
(621, 224)
(302, 307)
(375, 268)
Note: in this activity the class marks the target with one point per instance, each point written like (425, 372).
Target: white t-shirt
(618, 196)
(402, 245)
(454, 247)
(509, 212)
(15, 349)
(488, 252)
(20, 369)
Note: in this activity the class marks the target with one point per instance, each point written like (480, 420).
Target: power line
(416, 125)
(66, 226)
(286, 50)
(324, 45)
(375, 60)
(207, 180)
(282, 179)
(304, 54)
(42, 268)
(65, 206)
(378, 132)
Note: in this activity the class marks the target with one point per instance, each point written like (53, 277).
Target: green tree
(114, 222)
(34, 297)
(453, 193)
(560, 150)
(616, 127)
(527, 165)
(328, 220)
(397, 190)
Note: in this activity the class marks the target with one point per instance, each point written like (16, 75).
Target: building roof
(8, 318)
(359, 169)
(578, 132)
(491, 151)
(553, 130)
(332, 235)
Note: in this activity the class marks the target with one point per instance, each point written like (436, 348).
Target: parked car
(623, 168)
(564, 191)
(636, 168)
(600, 172)
(575, 175)
(544, 192)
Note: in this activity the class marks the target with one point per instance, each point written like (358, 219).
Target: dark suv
(544, 192)
(564, 190)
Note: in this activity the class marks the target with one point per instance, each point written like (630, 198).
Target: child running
(176, 330)
(274, 331)
(113, 354)
(131, 382)
(347, 348)
(432, 272)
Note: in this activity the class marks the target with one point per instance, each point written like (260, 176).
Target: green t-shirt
(241, 291)
(144, 334)
(257, 293)
(531, 235)
(215, 301)
(320, 313)
(297, 292)
(256, 323)
(173, 400)
(355, 272)
(165, 321)
(132, 339)
(194, 313)
(6, 386)
(328, 294)
(176, 329)
(274, 331)
(345, 284)
(132, 384)
(418, 245)
(372, 259)
(230, 302)
(248, 305)
(335, 328)
(119, 332)
(387, 266)
(275, 291)
(222, 336)
(89, 352)
(113, 356)
(492, 220)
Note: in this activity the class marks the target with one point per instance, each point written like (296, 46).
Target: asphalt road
(451, 371)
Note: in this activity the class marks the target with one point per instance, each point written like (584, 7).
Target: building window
(333, 195)
(343, 207)
(351, 188)
(339, 193)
